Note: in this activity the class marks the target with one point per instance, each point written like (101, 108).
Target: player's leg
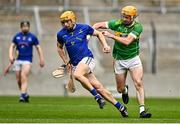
(17, 70)
(107, 95)
(24, 82)
(120, 76)
(80, 71)
(100, 88)
(136, 73)
(18, 78)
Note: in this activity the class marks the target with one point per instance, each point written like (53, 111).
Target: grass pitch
(84, 110)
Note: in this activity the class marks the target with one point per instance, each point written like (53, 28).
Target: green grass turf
(85, 110)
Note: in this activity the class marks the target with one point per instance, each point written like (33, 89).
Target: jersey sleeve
(36, 41)
(14, 40)
(90, 30)
(111, 24)
(136, 31)
(59, 39)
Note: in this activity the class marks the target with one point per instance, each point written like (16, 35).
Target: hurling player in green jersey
(126, 53)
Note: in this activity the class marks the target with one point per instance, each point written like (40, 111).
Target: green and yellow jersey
(120, 50)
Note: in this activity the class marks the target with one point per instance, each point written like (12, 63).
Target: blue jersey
(76, 42)
(24, 45)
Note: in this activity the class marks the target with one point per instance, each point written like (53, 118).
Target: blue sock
(95, 94)
(27, 95)
(24, 95)
(118, 105)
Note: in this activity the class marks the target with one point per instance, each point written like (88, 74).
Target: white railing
(39, 29)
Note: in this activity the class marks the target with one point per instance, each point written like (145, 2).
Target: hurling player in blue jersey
(23, 43)
(74, 37)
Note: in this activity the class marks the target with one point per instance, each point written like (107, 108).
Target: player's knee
(77, 76)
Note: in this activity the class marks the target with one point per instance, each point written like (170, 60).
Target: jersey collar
(131, 24)
(74, 26)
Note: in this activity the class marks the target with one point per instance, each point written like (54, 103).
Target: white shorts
(89, 61)
(121, 66)
(18, 64)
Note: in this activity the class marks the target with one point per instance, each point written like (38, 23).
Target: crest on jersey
(120, 34)
(29, 39)
(18, 38)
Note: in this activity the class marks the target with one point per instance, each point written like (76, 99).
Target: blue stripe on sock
(23, 95)
(93, 92)
(97, 97)
(118, 105)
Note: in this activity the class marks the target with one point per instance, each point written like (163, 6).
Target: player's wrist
(66, 63)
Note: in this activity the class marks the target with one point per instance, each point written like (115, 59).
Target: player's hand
(108, 34)
(106, 49)
(68, 67)
(41, 64)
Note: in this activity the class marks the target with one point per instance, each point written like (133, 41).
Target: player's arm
(100, 25)
(11, 55)
(125, 40)
(106, 47)
(61, 52)
(40, 54)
